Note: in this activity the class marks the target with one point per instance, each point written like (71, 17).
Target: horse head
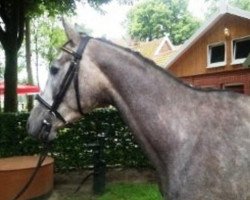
(74, 87)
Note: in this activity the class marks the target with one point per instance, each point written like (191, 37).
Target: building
(214, 55)
(158, 50)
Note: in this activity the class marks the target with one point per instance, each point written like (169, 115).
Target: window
(239, 88)
(241, 49)
(216, 55)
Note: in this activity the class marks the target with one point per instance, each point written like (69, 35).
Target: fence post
(99, 177)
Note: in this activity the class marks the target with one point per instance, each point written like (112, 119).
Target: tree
(28, 61)
(148, 20)
(13, 14)
(1, 63)
(47, 37)
(213, 5)
(1, 72)
(243, 4)
(153, 19)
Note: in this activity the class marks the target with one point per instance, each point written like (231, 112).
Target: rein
(47, 123)
(41, 159)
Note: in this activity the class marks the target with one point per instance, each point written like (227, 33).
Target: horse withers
(197, 140)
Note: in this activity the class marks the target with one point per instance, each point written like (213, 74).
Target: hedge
(71, 149)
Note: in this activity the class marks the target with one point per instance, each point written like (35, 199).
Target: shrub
(72, 149)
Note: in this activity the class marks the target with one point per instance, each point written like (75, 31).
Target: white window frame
(241, 60)
(217, 64)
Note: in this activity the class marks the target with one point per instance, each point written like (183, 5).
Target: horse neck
(146, 96)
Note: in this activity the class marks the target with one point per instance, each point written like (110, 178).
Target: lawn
(124, 191)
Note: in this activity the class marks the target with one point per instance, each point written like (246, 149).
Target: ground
(65, 184)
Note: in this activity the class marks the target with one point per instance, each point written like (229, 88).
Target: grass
(125, 191)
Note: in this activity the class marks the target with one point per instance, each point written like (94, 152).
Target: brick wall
(221, 80)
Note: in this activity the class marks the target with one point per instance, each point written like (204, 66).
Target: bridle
(71, 74)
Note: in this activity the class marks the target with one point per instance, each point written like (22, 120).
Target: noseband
(71, 74)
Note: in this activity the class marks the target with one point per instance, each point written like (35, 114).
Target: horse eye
(54, 70)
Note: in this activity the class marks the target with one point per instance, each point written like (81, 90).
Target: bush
(14, 140)
(71, 149)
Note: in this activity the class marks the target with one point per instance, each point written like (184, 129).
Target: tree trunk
(10, 80)
(12, 15)
(28, 62)
(37, 59)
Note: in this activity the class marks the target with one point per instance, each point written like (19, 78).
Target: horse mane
(157, 67)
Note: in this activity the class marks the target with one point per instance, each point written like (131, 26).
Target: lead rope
(33, 175)
(42, 157)
(82, 182)
(74, 67)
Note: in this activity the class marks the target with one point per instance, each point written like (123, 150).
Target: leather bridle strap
(71, 73)
(49, 107)
(80, 51)
(46, 126)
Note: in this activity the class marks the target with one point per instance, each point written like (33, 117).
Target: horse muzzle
(42, 131)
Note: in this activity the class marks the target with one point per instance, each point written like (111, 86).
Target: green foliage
(213, 6)
(182, 24)
(153, 19)
(1, 62)
(71, 149)
(13, 136)
(12, 17)
(147, 20)
(48, 36)
(53, 7)
(1, 71)
(243, 4)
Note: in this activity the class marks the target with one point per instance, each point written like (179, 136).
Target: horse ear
(70, 32)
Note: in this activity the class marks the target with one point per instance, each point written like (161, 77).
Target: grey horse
(198, 140)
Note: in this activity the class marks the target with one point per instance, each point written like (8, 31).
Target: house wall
(194, 61)
(221, 80)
